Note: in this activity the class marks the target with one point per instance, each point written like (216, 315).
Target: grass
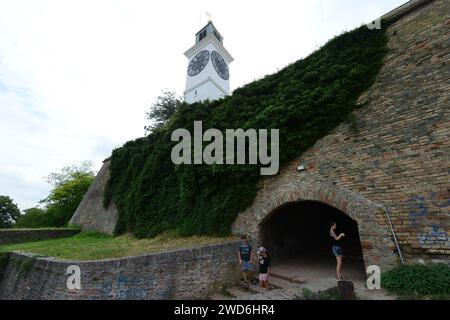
(95, 246)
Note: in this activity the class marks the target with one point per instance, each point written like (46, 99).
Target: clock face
(220, 65)
(198, 63)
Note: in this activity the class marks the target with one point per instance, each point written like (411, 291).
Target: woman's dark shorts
(337, 251)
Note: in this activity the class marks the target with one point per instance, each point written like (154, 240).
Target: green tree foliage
(34, 218)
(305, 100)
(165, 107)
(9, 212)
(69, 186)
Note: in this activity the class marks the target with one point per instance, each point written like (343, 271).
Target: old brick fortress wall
(395, 155)
(10, 236)
(179, 274)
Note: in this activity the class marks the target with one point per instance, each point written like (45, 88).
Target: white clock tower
(208, 75)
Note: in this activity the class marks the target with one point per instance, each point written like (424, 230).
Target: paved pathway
(289, 278)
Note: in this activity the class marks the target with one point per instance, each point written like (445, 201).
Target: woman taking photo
(336, 248)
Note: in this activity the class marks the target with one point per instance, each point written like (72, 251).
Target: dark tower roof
(207, 30)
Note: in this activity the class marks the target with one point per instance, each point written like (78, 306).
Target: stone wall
(180, 274)
(10, 236)
(91, 215)
(395, 154)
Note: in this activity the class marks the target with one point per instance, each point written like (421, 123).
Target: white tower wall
(207, 84)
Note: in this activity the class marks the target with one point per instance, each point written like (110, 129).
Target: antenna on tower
(209, 15)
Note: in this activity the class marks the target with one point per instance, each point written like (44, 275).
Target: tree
(70, 172)
(34, 218)
(70, 185)
(165, 107)
(9, 212)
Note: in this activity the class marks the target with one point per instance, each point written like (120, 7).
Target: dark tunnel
(301, 229)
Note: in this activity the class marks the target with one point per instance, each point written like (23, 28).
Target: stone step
(277, 294)
(287, 278)
(256, 293)
(257, 288)
(289, 295)
(240, 293)
(281, 282)
(320, 285)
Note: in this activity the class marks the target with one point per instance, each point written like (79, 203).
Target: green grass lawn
(93, 246)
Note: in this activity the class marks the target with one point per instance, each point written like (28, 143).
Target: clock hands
(198, 63)
(201, 59)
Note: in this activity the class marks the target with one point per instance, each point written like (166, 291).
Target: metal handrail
(393, 233)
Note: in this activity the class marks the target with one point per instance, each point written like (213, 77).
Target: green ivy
(305, 101)
(418, 280)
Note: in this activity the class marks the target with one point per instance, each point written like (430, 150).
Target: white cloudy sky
(77, 76)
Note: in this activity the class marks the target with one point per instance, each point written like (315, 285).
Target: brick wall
(396, 154)
(9, 236)
(179, 274)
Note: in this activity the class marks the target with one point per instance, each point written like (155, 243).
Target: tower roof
(207, 30)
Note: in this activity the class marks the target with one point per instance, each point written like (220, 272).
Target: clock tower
(208, 75)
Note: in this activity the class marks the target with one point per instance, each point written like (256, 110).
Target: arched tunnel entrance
(296, 235)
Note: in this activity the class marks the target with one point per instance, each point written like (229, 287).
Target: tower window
(202, 35)
(217, 36)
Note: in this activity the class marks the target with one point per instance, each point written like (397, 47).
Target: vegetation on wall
(418, 281)
(305, 100)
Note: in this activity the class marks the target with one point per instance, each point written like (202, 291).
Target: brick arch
(376, 240)
(343, 200)
(275, 210)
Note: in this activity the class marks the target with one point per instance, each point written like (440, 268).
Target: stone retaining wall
(179, 274)
(10, 236)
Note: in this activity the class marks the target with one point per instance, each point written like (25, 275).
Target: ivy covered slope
(304, 101)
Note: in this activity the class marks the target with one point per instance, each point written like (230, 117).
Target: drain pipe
(393, 233)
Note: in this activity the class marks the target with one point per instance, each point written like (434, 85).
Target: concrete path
(315, 274)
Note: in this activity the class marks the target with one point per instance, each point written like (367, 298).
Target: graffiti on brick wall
(435, 237)
(133, 287)
(421, 207)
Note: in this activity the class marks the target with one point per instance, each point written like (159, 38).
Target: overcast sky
(76, 77)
